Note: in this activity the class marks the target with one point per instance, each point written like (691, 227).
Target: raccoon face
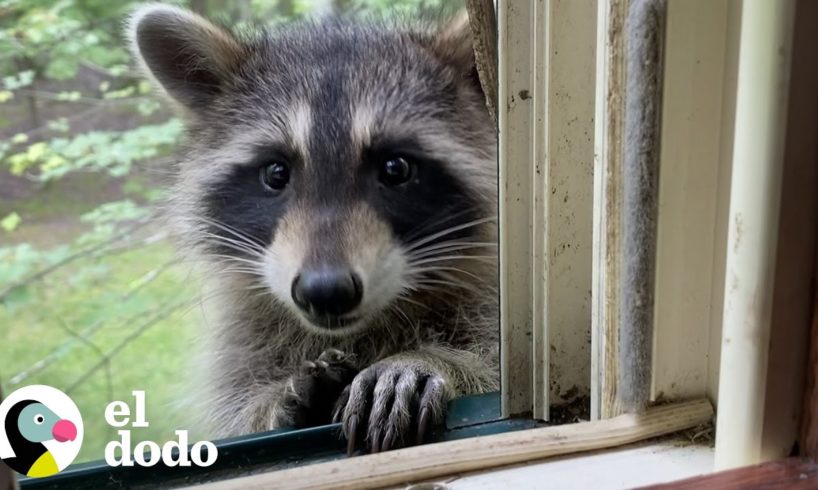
(349, 168)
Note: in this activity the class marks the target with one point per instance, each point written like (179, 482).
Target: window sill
(626, 467)
(481, 454)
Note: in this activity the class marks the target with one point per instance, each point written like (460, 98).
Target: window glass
(280, 223)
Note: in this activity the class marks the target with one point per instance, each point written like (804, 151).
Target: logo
(149, 453)
(40, 431)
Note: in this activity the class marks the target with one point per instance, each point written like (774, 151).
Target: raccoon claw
(308, 368)
(351, 428)
(313, 393)
(338, 412)
(389, 440)
(431, 408)
(335, 356)
(398, 404)
(423, 424)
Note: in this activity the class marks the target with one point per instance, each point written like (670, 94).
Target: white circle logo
(40, 431)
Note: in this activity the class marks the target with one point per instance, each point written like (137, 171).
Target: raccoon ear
(453, 43)
(189, 57)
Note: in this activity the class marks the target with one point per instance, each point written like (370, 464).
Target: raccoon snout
(327, 291)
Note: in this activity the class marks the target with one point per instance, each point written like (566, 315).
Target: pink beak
(64, 430)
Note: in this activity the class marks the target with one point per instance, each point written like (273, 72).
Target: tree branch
(86, 252)
(109, 384)
(164, 313)
(483, 22)
(61, 350)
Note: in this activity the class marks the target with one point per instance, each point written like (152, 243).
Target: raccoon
(338, 186)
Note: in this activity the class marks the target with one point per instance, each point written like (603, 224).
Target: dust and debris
(701, 434)
(739, 223)
(426, 486)
(577, 410)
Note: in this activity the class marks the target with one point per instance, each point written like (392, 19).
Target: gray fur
(412, 354)
(641, 180)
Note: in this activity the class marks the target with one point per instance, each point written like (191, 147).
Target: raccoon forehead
(356, 62)
(369, 50)
(316, 92)
(296, 134)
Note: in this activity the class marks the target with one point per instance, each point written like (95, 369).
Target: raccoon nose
(329, 291)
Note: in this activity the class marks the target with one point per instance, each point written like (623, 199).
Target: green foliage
(92, 300)
(10, 222)
(110, 151)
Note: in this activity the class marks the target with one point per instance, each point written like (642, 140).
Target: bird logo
(41, 431)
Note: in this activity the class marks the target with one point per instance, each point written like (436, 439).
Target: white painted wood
(628, 467)
(565, 54)
(688, 241)
(597, 252)
(514, 21)
(546, 189)
(541, 286)
(766, 35)
(723, 200)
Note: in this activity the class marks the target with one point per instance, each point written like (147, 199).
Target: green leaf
(10, 222)
(114, 211)
(148, 107)
(120, 94)
(71, 96)
(19, 138)
(60, 125)
(19, 80)
(62, 68)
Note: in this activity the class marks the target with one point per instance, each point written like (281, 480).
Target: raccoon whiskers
(442, 217)
(432, 270)
(243, 238)
(443, 258)
(396, 309)
(214, 246)
(449, 246)
(226, 292)
(232, 244)
(242, 260)
(403, 297)
(225, 227)
(242, 270)
(448, 231)
(443, 282)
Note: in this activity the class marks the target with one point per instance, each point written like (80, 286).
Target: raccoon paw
(391, 405)
(311, 395)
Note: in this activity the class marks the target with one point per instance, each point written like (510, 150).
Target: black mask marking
(240, 202)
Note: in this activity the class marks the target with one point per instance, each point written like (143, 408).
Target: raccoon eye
(275, 176)
(395, 171)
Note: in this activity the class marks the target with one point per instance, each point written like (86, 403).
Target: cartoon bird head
(39, 424)
(29, 423)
